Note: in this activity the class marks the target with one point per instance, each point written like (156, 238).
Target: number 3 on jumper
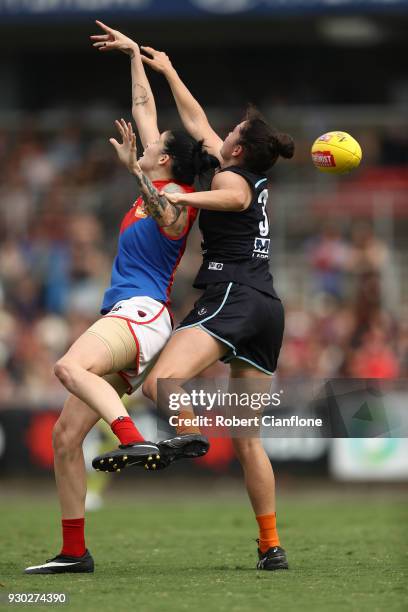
(264, 223)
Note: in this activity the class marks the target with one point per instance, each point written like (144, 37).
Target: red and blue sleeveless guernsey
(147, 257)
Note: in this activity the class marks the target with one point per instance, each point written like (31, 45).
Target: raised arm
(143, 104)
(166, 214)
(229, 193)
(191, 113)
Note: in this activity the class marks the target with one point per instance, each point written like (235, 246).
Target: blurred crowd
(349, 328)
(62, 197)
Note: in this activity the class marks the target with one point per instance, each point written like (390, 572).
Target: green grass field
(345, 552)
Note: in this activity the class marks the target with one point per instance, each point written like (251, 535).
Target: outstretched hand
(159, 61)
(127, 151)
(113, 40)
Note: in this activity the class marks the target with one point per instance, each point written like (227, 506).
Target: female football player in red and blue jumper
(115, 354)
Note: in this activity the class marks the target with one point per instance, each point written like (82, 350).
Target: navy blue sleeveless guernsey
(236, 245)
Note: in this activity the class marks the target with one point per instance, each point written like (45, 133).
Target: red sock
(268, 536)
(125, 430)
(73, 537)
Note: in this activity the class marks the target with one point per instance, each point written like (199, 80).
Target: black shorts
(248, 321)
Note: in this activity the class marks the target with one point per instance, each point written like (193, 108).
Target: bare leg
(75, 421)
(258, 472)
(80, 371)
(259, 478)
(187, 353)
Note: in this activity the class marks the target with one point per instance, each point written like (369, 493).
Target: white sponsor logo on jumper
(214, 265)
(261, 245)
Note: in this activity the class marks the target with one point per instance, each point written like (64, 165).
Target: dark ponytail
(284, 144)
(262, 143)
(189, 157)
(202, 160)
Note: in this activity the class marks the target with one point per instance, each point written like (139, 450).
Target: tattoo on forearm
(157, 206)
(140, 96)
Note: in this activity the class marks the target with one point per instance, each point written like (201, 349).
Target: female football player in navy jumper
(239, 317)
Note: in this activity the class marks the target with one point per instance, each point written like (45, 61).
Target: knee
(245, 448)
(67, 371)
(64, 370)
(149, 388)
(66, 439)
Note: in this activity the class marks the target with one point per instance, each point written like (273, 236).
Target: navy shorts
(248, 321)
